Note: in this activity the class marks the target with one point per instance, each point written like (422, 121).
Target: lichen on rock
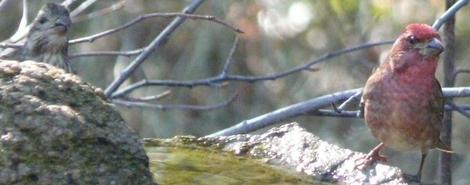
(291, 147)
(55, 129)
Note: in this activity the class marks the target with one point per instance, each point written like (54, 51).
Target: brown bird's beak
(433, 48)
(62, 25)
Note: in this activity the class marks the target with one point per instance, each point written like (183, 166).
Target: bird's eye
(43, 20)
(412, 40)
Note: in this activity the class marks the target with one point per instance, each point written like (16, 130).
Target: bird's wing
(437, 104)
(372, 87)
(437, 101)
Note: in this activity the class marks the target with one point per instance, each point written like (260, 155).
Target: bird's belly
(400, 125)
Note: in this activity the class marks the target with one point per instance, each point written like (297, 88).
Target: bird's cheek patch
(429, 52)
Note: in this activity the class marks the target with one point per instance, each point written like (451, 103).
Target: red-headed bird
(402, 100)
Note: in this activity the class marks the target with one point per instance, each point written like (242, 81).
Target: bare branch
(132, 53)
(24, 17)
(215, 81)
(9, 45)
(310, 107)
(82, 7)
(149, 98)
(334, 113)
(3, 3)
(100, 12)
(449, 14)
(282, 114)
(229, 58)
(152, 47)
(174, 106)
(68, 3)
(107, 53)
(23, 27)
(459, 71)
(458, 109)
(354, 98)
(356, 114)
(211, 18)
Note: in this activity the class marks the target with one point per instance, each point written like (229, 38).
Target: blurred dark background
(278, 36)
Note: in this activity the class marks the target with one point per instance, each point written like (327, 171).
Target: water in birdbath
(196, 165)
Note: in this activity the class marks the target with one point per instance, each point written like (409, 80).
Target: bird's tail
(441, 146)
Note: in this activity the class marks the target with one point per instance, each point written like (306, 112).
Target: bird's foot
(370, 158)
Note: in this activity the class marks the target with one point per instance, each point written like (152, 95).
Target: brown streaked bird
(47, 39)
(402, 100)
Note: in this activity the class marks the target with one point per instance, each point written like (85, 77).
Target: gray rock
(290, 146)
(55, 129)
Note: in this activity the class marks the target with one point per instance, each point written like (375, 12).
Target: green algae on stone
(197, 165)
(286, 147)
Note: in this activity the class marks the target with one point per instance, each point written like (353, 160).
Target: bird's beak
(433, 48)
(62, 24)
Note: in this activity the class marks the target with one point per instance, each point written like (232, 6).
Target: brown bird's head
(52, 18)
(47, 40)
(418, 45)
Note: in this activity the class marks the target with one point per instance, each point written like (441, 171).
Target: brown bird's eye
(412, 40)
(42, 20)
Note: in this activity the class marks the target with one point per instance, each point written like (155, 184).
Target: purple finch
(402, 99)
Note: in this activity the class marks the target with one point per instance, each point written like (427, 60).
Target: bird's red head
(421, 32)
(421, 38)
(417, 48)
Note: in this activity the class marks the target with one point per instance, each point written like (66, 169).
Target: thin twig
(149, 98)
(449, 14)
(107, 53)
(458, 109)
(463, 109)
(309, 107)
(334, 113)
(24, 16)
(3, 3)
(129, 54)
(353, 98)
(284, 113)
(23, 27)
(151, 48)
(100, 12)
(68, 3)
(8, 45)
(211, 18)
(174, 106)
(229, 58)
(82, 7)
(214, 81)
(335, 108)
(459, 71)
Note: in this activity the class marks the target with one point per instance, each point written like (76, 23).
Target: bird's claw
(369, 159)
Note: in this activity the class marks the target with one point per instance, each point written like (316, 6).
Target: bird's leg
(371, 157)
(423, 156)
(417, 177)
